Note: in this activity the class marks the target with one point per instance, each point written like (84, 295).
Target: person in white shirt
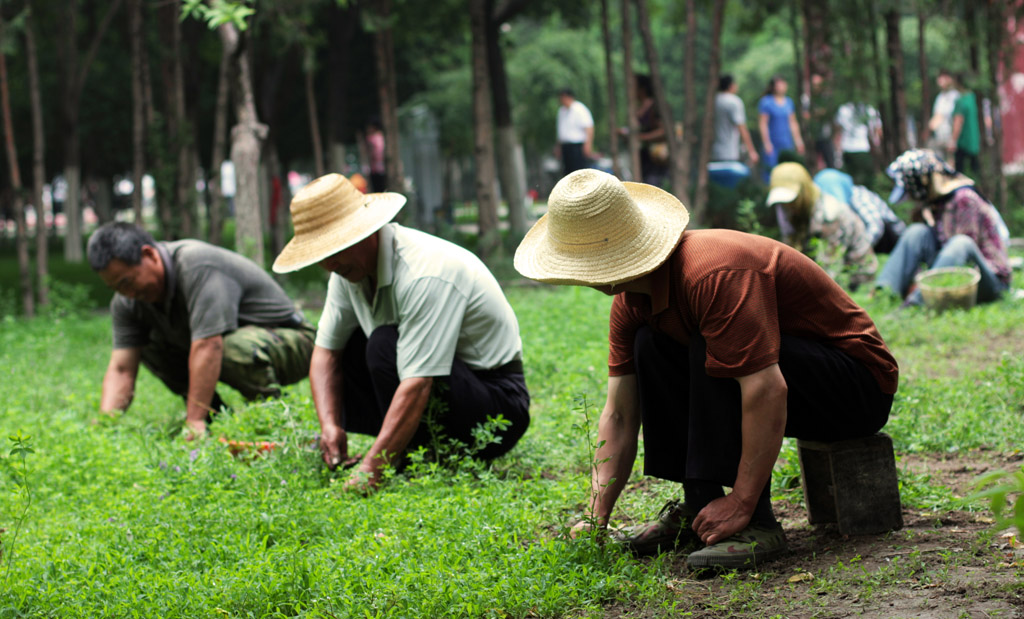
(940, 128)
(858, 128)
(575, 132)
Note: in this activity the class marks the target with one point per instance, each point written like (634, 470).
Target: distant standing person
(375, 147)
(965, 141)
(731, 124)
(777, 122)
(858, 127)
(940, 126)
(575, 132)
(653, 144)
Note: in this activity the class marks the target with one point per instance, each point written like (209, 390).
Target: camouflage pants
(257, 360)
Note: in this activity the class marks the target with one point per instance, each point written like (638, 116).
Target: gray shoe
(671, 530)
(747, 549)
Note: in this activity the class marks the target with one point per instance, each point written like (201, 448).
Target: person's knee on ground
(912, 248)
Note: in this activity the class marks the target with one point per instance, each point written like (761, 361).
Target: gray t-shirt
(210, 291)
(729, 115)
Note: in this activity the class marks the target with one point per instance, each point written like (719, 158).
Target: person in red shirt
(720, 344)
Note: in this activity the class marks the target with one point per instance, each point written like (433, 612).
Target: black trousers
(572, 157)
(692, 421)
(370, 379)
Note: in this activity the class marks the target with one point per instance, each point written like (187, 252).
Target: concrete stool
(852, 483)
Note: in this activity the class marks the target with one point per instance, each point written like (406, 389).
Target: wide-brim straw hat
(599, 230)
(329, 215)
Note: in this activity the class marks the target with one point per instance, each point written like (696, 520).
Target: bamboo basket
(941, 298)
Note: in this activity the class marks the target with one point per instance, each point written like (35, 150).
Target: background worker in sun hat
(955, 226)
(194, 313)
(405, 313)
(720, 344)
(804, 210)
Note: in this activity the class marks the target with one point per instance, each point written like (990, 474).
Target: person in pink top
(375, 147)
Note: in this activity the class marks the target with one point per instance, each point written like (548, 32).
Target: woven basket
(945, 297)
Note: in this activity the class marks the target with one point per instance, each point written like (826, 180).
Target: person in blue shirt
(881, 224)
(777, 122)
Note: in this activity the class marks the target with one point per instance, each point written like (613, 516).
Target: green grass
(127, 520)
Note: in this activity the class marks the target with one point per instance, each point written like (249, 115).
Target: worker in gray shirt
(730, 124)
(194, 313)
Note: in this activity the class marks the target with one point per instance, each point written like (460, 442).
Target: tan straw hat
(329, 215)
(599, 230)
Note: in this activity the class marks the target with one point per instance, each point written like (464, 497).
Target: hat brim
(897, 194)
(616, 259)
(305, 250)
(781, 195)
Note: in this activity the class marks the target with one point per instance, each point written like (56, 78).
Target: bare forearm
(613, 463)
(204, 362)
(762, 125)
(118, 390)
(763, 425)
(400, 423)
(325, 382)
(747, 142)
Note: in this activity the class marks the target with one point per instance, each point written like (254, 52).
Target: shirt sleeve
(212, 298)
(622, 328)
(737, 314)
(586, 119)
(338, 320)
(128, 330)
(738, 114)
(764, 106)
(430, 314)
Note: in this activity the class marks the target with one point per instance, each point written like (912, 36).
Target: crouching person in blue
(720, 344)
(408, 317)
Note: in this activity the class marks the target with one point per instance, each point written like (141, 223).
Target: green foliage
(219, 12)
(1004, 489)
(18, 472)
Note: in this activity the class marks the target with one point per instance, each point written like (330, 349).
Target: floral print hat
(912, 172)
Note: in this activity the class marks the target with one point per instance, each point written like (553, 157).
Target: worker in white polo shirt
(409, 319)
(575, 132)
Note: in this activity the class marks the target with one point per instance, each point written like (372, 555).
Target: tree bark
(707, 129)
(883, 109)
(631, 102)
(997, 36)
(819, 63)
(176, 214)
(309, 71)
(689, 96)
(511, 166)
(387, 93)
(489, 241)
(215, 204)
(246, 143)
(18, 203)
(609, 72)
(138, 108)
(678, 146)
(894, 48)
(38, 161)
(922, 66)
(75, 74)
(339, 65)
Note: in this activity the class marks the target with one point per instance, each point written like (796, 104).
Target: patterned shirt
(874, 212)
(966, 212)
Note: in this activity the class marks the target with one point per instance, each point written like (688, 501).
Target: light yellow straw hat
(329, 215)
(599, 230)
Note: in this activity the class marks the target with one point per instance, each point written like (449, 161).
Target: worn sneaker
(747, 549)
(671, 530)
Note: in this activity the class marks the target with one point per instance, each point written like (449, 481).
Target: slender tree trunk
(18, 203)
(706, 137)
(138, 107)
(246, 143)
(631, 102)
(177, 218)
(997, 37)
(387, 93)
(311, 109)
(888, 150)
(894, 48)
(798, 30)
(343, 22)
(679, 151)
(511, 166)
(819, 64)
(489, 242)
(38, 161)
(690, 96)
(215, 204)
(609, 71)
(922, 66)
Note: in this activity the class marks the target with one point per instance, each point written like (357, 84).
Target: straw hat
(599, 230)
(792, 184)
(329, 215)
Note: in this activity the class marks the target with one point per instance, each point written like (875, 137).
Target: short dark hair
(946, 72)
(645, 83)
(120, 240)
(566, 92)
(725, 82)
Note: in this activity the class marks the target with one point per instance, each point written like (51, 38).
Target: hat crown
(324, 202)
(589, 207)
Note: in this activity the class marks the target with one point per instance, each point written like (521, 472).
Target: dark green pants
(257, 360)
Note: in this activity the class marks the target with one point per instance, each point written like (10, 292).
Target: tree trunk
(707, 129)
(75, 74)
(38, 162)
(631, 102)
(894, 48)
(246, 143)
(18, 203)
(888, 150)
(138, 108)
(997, 36)
(679, 146)
(799, 30)
(384, 48)
(309, 71)
(689, 137)
(177, 217)
(511, 166)
(215, 202)
(489, 241)
(343, 22)
(922, 66)
(609, 72)
(819, 65)
(100, 190)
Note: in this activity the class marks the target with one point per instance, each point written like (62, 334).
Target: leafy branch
(16, 465)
